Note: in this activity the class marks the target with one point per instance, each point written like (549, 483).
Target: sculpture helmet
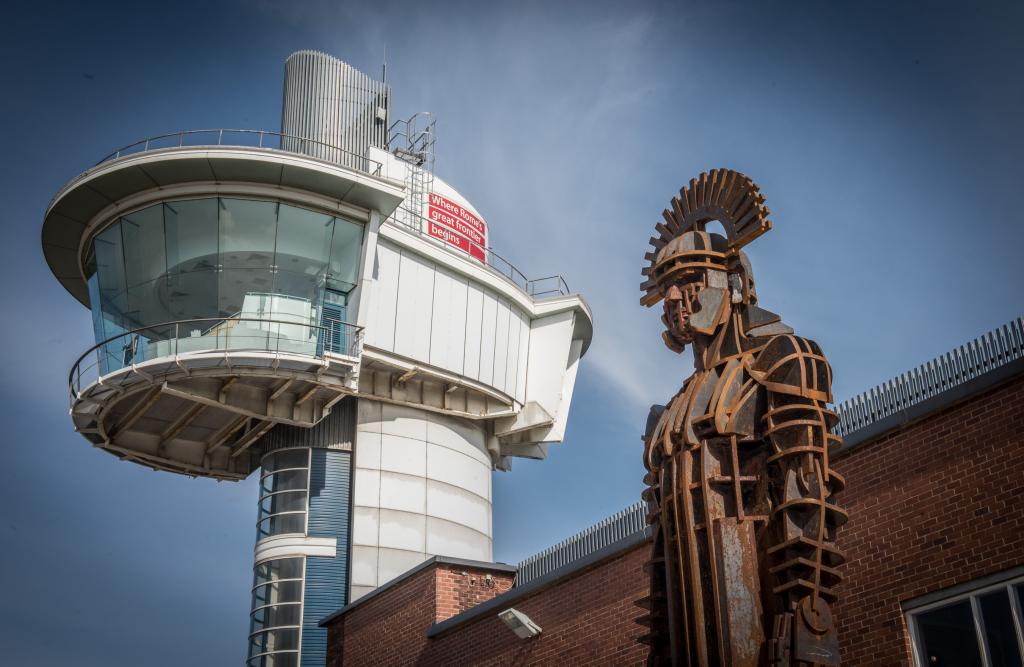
(693, 251)
(683, 244)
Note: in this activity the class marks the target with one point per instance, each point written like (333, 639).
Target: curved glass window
(276, 616)
(226, 263)
(283, 493)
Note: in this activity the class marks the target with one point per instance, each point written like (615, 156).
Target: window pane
(247, 233)
(273, 640)
(284, 481)
(280, 524)
(303, 241)
(113, 288)
(145, 255)
(192, 295)
(191, 230)
(297, 292)
(274, 616)
(1000, 632)
(282, 568)
(287, 458)
(238, 288)
(289, 501)
(947, 636)
(345, 249)
(277, 592)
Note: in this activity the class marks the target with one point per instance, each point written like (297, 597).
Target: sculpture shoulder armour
(794, 366)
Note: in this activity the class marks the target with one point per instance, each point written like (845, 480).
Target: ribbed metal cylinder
(339, 111)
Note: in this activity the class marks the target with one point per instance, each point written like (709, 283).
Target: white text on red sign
(448, 206)
(457, 240)
(456, 224)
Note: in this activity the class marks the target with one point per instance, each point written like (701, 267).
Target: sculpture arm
(803, 521)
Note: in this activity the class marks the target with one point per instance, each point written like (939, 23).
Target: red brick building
(934, 463)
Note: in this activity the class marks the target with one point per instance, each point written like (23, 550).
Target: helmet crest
(721, 194)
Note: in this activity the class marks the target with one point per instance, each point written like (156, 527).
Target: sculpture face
(682, 301)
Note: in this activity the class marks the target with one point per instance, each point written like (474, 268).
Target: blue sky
(884, 135)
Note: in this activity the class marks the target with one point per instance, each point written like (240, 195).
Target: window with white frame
(972, 625)
(284, 493)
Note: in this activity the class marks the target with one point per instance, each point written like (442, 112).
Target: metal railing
(981, 355)
(618, 526)
(536, 288)
(233, 334)
(253, 139)
(986, 353)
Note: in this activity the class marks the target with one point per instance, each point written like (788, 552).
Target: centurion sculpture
(744, 563)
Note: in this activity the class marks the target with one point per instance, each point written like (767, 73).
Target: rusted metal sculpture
(744, 564)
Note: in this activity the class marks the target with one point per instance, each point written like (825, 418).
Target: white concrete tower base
(422, 488)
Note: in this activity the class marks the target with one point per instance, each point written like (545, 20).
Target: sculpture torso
(716, 455)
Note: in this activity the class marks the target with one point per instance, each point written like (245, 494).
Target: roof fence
(986, 353)
(618, 526)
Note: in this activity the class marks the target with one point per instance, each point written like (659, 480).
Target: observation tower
(317, 307)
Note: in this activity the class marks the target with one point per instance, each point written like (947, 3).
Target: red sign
(455, 225)
(451, 238)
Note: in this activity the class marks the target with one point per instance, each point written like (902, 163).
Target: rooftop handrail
(352, 160)
(986, 353)
(956, 367)
(349, 336)
(537, 287)
(608, 531)
(372, 167)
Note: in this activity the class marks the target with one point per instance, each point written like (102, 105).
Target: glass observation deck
(277, 142)
(219, 258)
(219, 273)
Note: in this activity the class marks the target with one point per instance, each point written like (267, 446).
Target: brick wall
(938, 503)
(586, 618)
(391, 626)
(459, 588)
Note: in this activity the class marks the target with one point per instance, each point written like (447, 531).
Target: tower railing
(536, 287)
(204, 335)
(265, 139)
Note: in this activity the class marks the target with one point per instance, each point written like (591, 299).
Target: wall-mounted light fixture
(519, 623)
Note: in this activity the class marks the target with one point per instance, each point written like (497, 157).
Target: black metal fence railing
(618, 526)
(981, 355)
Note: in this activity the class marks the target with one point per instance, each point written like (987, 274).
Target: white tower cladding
(314, 304)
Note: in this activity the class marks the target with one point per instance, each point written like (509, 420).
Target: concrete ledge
(505, 600)
(436, 560)
(918, 411)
